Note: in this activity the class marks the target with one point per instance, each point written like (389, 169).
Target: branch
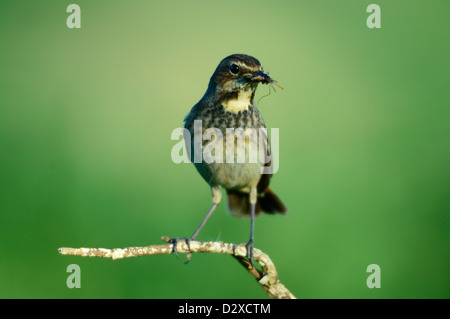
(267, 277)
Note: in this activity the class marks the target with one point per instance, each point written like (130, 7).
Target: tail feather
(268, 202)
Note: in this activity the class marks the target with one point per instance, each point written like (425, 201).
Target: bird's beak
(260, 77)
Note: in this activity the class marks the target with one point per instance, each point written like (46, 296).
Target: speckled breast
(230, 146)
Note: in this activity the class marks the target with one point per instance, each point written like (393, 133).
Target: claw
(174, 242)
(249, 246)
(188, 258)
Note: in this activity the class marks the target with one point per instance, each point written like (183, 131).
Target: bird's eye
(234, 69)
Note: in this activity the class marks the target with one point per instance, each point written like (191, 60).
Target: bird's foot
(250, 246)
(174, 241)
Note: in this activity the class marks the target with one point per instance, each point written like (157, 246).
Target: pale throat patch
(242, 102)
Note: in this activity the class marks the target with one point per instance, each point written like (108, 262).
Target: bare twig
(267, 277)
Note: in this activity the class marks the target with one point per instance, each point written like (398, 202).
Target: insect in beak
(260, 77)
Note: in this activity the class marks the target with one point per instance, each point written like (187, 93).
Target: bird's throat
(238, 102)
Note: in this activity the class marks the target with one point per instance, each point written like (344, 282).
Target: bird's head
(236, 78)
(239, 72)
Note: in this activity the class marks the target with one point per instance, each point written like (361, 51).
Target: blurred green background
(85, 122)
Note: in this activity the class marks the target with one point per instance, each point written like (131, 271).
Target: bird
(229, 104)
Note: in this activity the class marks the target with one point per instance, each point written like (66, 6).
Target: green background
(85, 123)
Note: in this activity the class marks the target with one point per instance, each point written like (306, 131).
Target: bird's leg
(205, 219)
(175, 240)
(250, 245)
(217, 196)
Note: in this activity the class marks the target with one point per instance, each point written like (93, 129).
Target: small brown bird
(228, 104)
